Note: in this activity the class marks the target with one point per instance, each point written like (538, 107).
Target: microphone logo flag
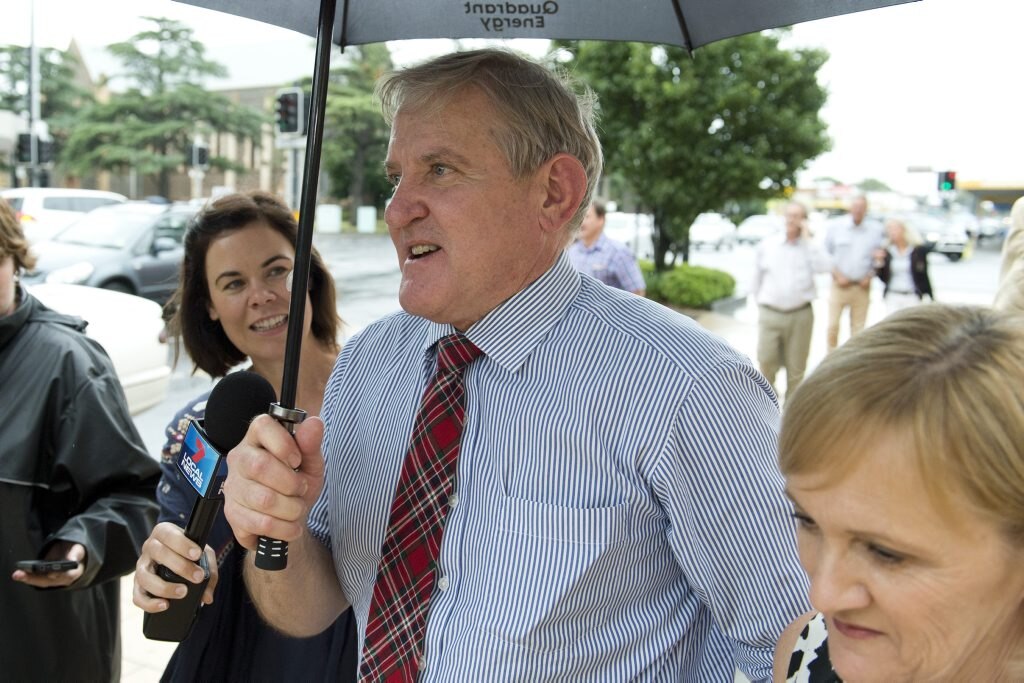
(198, 469)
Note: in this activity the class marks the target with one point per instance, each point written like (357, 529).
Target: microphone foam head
(235, 400)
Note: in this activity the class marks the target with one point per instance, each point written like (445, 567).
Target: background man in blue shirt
(616, 512)
(599, 256)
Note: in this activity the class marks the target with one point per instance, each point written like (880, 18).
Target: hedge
(687, 286)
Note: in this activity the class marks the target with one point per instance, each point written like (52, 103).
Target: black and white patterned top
(810, 662)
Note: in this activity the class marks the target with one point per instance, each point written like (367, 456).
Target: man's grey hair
(545, 112)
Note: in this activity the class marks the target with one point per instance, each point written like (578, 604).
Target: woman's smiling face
(248, 273)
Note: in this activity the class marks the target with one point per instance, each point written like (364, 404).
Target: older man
(589, 491)
(851, 242)
(784, 289)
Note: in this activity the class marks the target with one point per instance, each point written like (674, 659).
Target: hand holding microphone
(232, 404)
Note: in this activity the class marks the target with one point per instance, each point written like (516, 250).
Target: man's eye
(439, 170)
(393, 179)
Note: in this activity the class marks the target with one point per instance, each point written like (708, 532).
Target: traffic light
(947, 181)
(23, 153)
(46, 151)
(289, 111)
(197, 156)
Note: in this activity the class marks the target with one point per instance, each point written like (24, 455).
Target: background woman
(904, 457)
(903, 267)
(232, 306)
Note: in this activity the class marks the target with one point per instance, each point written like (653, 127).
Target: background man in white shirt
(851, 242)
(784, 289)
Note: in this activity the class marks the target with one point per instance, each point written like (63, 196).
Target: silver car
(135, 248)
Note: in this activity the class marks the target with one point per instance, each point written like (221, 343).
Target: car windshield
(108, 229)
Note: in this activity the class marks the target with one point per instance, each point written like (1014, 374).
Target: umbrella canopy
(687, 23)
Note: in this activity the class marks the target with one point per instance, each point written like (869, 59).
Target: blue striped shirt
(617, 515)
(609, 261)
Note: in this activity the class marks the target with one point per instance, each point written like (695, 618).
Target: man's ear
(564, 183)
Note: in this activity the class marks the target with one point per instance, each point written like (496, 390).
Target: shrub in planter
(687, 286)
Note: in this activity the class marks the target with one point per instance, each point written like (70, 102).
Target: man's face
(592, 226)
(858, 209)
(467, 233)
(795, 218)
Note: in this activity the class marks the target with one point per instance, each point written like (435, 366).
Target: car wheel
(953, 257)
(119, 286)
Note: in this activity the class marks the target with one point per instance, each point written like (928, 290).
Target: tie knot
(455, 352)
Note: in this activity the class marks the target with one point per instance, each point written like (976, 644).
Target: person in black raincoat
(75, 483)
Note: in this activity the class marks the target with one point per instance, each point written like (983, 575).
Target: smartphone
(46, 566)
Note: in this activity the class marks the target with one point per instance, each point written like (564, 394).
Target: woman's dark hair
(189, 309)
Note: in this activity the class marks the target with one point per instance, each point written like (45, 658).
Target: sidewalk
(144, 660)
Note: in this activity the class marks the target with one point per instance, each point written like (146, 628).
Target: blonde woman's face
(911, 591)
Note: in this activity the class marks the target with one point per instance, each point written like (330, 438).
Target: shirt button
(442, 583)
(453, 500)
(421, 662)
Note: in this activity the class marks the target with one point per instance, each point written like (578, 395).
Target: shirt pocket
(551, 565)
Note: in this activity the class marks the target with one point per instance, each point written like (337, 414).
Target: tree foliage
(60, 98)
(149, 125)
(734, 122)
(355, 135)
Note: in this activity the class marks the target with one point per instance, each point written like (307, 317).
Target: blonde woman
(903, 267)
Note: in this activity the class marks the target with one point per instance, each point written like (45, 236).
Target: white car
(635, 230)
(128, 327)
(45, 211)
(712, 230)
(753, 229)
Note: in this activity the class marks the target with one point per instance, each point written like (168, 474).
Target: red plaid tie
(405, 578)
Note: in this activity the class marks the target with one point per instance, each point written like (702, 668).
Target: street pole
(33, 113)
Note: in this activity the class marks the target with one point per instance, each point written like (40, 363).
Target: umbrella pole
(307, 203)
(271, 553)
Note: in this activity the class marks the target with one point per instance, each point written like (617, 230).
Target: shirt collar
(600, 243)
(510, 333)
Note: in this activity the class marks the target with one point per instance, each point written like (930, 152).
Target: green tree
(873, 185)
(355, 136)
(59, 98)
(149, 125)
(734, 122)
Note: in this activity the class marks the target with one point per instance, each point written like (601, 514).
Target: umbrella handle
(271, 553)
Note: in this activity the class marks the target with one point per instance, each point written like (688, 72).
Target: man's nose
(406, 206)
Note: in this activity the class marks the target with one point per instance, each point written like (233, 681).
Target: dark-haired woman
(232, 306)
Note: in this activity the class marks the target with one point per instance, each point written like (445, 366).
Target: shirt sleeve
(731, 528)
(627, 271)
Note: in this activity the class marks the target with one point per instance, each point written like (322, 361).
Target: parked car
(45, 211)
(134, 248)
(128, 328)
(635, 230)
(753, 229)
(944, 236)
(712, 230)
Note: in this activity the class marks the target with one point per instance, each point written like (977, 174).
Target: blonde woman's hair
(951, 378)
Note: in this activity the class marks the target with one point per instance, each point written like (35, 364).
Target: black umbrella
(686, 23)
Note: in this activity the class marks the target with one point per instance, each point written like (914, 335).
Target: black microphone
(233, 403)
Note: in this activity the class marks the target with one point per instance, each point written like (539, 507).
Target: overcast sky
(936, 83)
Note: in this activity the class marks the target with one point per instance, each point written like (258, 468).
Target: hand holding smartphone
(46, 566)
